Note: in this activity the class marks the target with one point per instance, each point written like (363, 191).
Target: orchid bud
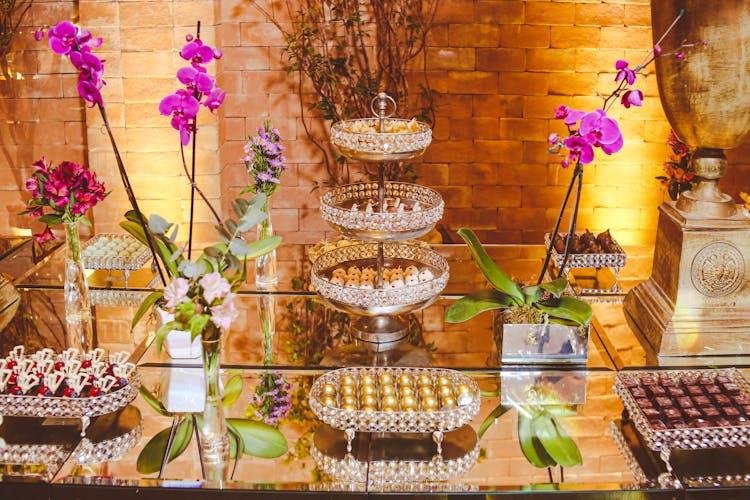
(657, 50)
(188, 37)
(679, 56)
(38, 35)
(218, 53)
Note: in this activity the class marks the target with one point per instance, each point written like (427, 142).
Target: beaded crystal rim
(88, 452)
(54, 406)
(442, 420)
(384, 472)
(689, 438)
(364, 222)
(380, 297)
(113, 262)
(587, 260)
(380, 143)
(635, 468)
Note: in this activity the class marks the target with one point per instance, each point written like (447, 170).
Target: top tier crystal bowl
(408, 211)
(359, 139)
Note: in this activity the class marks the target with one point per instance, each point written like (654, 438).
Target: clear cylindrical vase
(80, 332)
(266, 274)
(213, 429)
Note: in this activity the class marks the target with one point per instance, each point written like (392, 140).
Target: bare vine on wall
(12, 13)
(349, 50)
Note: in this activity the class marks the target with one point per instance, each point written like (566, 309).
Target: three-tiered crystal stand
(384, 215)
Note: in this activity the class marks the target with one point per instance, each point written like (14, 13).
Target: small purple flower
(214, 99)
(624, 72)
(38, 35)
(553, 139)
(569, 116)
(632, 97)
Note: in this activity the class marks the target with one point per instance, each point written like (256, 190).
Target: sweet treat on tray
(69, 374)
(370, 126)
(114, 252)
(688, 402)
(115, 246)
(366, 277)
(390, 205)
(587, 243)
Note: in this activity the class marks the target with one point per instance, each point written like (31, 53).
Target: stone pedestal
(697, 300)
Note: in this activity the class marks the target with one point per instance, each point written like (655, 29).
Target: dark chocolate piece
(657, 425)
(731, 388)
(648, 380)
(702, 423)
(692, 413)
(638, 392)
(705, 380)
(654, 413)
(688, 380)
(667, 382)
(663, 402)
(722, 422)
(722, 399)
(710, 411)
(644, 403)
(675, 391)
(746, 409)
(672, 413)
(694, 390)
(657, 390)
(741, 400)
(730, 411)
(685, 402)
(701, 400)
(678, 424)
(712, 389)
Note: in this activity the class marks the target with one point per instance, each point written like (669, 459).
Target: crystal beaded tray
(112, 251)
(436, 421)
(355, 140)
(587, 260)
(380, 301)
(715, 436)
(345, 208)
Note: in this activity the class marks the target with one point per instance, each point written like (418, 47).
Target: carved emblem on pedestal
(717, 269)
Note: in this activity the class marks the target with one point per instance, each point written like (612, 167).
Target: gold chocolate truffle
(444, 391)
(424, 380)
(347, 380)
(348, 390)
(406, 380)
(385, 378)
(429, 403)
(406, 390)
(366, 379)
(329, 401)
(369, 400)
(443, 380)
(348, 407)
(448, 402)
(388, 401)
(348, 400)
(329, 390)
(426, 390)
(367, 390)
(387, 390)
(408, 402)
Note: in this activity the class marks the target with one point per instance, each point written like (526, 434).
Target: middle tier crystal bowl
(399, 296)
(408, 211)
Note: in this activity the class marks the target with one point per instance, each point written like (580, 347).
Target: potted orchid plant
(543, 311)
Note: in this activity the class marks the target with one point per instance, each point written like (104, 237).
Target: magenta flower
(214, 99)
(183, 108)
(580, 149)
(553, 139)
(633, 97)
(64, 38)
(624, 72)
(44, 236)
(601, 131)
(196, 79)
(198, 53)
(569, 116)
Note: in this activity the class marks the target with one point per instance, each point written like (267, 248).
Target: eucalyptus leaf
(151, 456)
(231, 226)
(494, 274)
(225, 235)
(469, 306)
(239, 205)
(239, 247)
(259, 439)
(251, 218)
(158, 224)
(232, 391)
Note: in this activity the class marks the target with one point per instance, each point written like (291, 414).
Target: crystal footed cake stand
(385, 213)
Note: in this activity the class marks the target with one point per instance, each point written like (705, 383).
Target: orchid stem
(130, 193)
(195, 186)
(573, 220)
(192, 173)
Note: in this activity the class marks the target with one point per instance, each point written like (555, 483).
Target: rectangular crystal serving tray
(713, 436)
(586, 260)
(112, 251)
(440, 419)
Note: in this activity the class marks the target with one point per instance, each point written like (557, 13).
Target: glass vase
(79, 332)
(213, 428)
(265, 266)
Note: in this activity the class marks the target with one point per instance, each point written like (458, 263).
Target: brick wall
(501, 68)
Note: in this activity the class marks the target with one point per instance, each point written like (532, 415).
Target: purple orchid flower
(214, 99)
(624, 72)
(569, 116)
(580, 148)
(633, 97)
(196, 79)
(183, 108)
(601, 131)
(198, 53)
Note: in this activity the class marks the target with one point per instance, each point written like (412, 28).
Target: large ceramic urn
(697, 300)
(706, 96)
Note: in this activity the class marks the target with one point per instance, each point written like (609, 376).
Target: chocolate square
(746, 409)
(648, 380)
(710, 411)
(672, 413)
(629, 382)
(685, 402)
(730, 411)
(722, 422)
(712, 389)
(691, 413)
(731, 388)
(741, 400)
(688, 380)
(638, 392)
(701, 400)
(675, 391)
(721, 399)
(657, 390)
(702, 423)
(657, 425)
(722, 379)
(678, 424)
(705, 380)
(644, 403)
(694, 390)
(663, 402)
(653, 413)
(667, 382)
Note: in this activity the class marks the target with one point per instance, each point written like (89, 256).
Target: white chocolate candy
(425, 275)
(397, 283)
(53, 381)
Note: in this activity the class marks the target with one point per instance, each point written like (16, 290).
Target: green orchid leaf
(498, 412)
(562, 410)
(153, 402)
(197, 324)
(571, 309)
(556, 441)
(166, 257)
(259, 439)
(494, 274)
(151, 456)
(555, 287)
(232, 391)
(162, 332)
(151, 299)
(135, 230)
(531, 446)
(85, 221)
(469, 306)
